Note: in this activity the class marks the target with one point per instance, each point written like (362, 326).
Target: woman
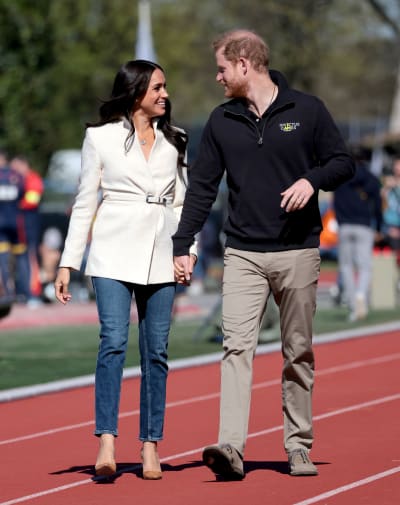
(135, 158)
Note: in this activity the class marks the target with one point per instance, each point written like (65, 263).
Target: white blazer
(131, 237)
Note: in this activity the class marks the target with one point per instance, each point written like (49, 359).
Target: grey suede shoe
(300, 463)
(225, 461)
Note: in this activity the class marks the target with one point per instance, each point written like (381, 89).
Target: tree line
(58, 59)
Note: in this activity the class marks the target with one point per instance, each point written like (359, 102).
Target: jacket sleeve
(334, 165)
(33, 191)
(84, 208)
(181, 185)
(204, 178)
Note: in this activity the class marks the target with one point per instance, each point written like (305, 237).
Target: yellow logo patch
(288, 127)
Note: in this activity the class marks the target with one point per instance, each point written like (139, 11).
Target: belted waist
(129, 197)
(162, 200)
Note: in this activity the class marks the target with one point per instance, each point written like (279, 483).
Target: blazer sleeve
(85, 206)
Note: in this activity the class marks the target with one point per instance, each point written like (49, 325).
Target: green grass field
(33, 356)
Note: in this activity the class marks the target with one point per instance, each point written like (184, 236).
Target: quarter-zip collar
(238, 106)
(285, 96)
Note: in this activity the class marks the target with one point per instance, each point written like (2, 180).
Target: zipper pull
(260, 141)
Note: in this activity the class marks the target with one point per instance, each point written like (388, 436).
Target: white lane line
(363, 405)
(348, 487)
(333, 413)
(90, 423)
(335, 369)
(199, 449)
(206, 359)
(46, 492)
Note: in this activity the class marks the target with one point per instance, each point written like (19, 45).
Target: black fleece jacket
(297, 139)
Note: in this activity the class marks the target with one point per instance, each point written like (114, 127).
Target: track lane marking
(335, 369)
(326, 415)
(333, 413)
(348, 487)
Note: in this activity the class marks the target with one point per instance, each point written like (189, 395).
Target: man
(30, 222)
(358, 209)
(278, 147)
(12, 244)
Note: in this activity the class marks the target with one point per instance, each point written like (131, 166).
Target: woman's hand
(61, 285)
(183, 268)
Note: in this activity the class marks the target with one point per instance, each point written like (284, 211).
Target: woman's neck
(142, 123)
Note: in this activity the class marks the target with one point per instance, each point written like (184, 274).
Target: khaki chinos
(249, 278)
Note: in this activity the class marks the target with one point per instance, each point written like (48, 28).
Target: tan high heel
(105, 469)
(105, 464)
(155, 474)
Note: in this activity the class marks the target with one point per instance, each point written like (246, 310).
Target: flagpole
(144, 40)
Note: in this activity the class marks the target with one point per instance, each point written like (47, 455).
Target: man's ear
(243, 65)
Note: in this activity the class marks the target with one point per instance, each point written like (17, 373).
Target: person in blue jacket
(279, 147)
(358, 210)
(12, 241)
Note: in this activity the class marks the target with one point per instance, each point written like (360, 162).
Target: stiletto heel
(105, 469)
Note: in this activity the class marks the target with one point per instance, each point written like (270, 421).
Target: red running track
(47, 450)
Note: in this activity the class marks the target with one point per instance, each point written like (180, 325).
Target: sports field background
(43, 354)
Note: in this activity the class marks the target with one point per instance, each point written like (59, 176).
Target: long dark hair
(130, 85)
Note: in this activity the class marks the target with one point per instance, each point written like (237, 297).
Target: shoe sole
(303, 474)
(152, 475)
(218, 463)
(105, 470)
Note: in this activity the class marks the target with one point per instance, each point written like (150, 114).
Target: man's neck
(261, 94)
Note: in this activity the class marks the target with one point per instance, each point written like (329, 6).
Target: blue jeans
(154, 305)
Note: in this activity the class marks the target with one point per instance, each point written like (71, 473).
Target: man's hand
(297, 195)
(183, 268)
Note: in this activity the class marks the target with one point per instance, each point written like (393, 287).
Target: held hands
(297, 195)
(183, 268)
(61, 285)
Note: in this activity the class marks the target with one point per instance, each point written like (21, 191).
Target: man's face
(230, 76)
(20, 166)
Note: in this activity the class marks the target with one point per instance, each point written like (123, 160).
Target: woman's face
(154, 101)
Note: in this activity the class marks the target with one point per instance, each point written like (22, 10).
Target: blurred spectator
(358, 209)
(13, 248)
(391, 215)
(5, 301)
(29, 209)
(329, 234)
(49, 254)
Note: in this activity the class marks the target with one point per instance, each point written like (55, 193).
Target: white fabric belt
(159, 200)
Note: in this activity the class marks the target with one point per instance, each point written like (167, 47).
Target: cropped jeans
(154, 305)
